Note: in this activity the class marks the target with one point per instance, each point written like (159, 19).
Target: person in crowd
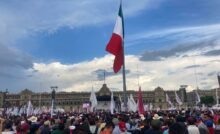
(7, 127)
(176, 128)
(46, 128)
(192, 128)
(155, 126)
(217, 127)
(123, 128)
(60, 129)
(202, 127)
(109, 127)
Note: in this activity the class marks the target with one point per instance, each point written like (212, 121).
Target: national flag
(217, 99)
(140, 102)
(112, 104)
(197, 98)
(218, 79)
(122, 108)
(133, 103)
(52, 108)
(169, 101)
(178, 100)
(93, 100)
(29, 108)
(115, 45)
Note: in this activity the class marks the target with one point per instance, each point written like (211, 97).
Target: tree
(207, 100)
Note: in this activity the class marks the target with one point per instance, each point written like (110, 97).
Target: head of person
(61, 126)
(35, 129)
(156, 124)
(8, 125)
(122, 126)
(176, 128)
(191, 120)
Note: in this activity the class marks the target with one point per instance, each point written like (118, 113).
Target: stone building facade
(74, 100)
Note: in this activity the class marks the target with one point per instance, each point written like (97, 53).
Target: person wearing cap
(25, 127)
(116, 129)
(46, 128)
(123, 128)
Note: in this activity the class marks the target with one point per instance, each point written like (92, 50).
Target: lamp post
(53, 94)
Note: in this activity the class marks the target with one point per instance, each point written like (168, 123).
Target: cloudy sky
(48, 43)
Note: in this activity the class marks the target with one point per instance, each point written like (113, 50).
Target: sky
(167, 43)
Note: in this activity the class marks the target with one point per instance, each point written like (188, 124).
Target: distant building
(74, 100)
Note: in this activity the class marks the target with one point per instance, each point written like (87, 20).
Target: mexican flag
(115, 45)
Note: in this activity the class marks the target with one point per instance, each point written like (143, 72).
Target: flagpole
(124, 80)
(123, 74)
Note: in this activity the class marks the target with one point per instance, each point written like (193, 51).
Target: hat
(122, 126)
(47, 123)
(156, 117)
(115, 121)
(22, 122)
(142, 117)
(33, 119)
(72, 127)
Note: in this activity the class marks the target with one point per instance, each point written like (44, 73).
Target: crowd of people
(153, 122)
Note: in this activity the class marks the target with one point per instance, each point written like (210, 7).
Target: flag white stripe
(118, 27)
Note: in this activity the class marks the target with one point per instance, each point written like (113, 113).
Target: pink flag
(140, 102)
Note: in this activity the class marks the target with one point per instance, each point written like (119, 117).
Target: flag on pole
(134, 104)
(112, 104)
(218, 80)
(29, 108)
(178, 100)
(169, 101)
(140, 102)
(217, 99)
(115, 45)
(197, 98)
(122, 104)
(52, 108)
(93, 100)
(151, 107)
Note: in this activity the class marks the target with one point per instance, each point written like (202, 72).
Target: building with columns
(75, 100)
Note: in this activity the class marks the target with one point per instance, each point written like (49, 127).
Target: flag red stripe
(115, 47)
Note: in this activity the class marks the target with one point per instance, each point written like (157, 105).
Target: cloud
(180, 50)
(100, 73)
(11, 57)
(180, 35)
(176, 42)
(212, 73)
(82, 76)
(212, 53)
(193, 66)
(13, 62)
